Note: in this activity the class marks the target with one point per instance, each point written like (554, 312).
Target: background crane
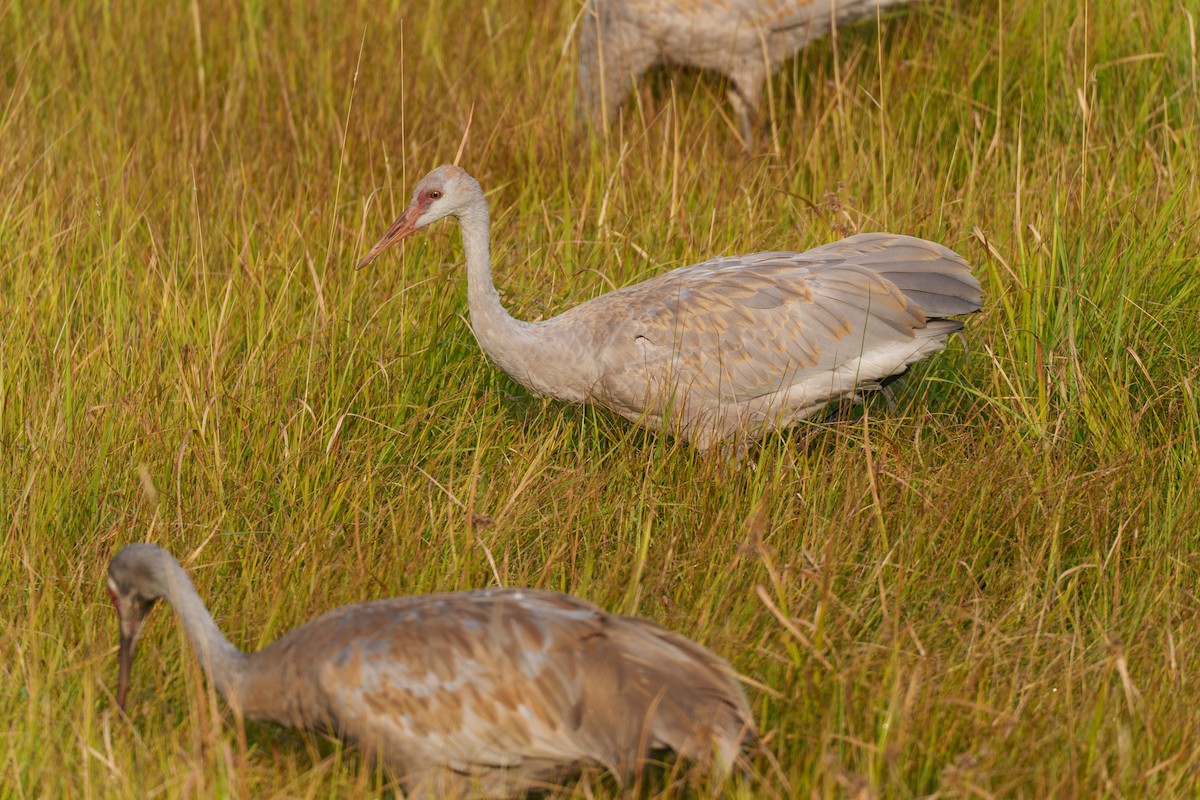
(745, 40)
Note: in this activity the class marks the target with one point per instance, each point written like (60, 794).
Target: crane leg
(742, 111)
(745, 96)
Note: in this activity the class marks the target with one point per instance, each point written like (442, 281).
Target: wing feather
(474, 681)
(746, 327)
(503, 689)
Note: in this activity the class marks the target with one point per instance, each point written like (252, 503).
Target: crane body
(722, 351)
(487, 693)
(745, 40)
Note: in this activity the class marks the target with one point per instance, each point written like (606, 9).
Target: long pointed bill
(403, 227)
(128, 646)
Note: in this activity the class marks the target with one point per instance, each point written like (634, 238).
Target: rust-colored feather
(509, 689)
(489, 693)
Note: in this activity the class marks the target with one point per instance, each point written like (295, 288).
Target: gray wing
(740, 328)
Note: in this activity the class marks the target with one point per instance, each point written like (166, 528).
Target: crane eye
(435, 195)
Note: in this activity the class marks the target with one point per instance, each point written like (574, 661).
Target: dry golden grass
(989, 590)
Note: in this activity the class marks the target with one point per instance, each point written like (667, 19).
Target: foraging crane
(745, 40)
(493, 693)
(722, 351)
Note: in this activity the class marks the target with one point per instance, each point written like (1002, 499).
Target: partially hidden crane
(745, 40)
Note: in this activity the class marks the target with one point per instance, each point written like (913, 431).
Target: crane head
(132, 586)
(447, 191)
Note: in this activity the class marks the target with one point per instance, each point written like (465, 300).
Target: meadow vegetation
(987, 589)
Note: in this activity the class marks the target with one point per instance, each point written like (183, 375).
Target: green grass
(989, 590)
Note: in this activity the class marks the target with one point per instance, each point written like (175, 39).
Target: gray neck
(519, 348)
(224, 664)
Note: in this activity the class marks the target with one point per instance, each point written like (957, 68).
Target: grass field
(989, 590)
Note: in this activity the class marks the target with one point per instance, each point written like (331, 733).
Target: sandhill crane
(746, 40)
(722, 351)
(490, 693)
